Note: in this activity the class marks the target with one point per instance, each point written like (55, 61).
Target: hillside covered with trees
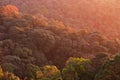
(94, 15)
(33, 48)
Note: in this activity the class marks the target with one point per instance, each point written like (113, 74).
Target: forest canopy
(33, 48)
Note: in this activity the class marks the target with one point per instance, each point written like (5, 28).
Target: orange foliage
(9, 10)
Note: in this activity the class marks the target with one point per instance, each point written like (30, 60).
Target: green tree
(110, 70)
(77, 69)
(22, 52)
(32, 71)
(9, 67)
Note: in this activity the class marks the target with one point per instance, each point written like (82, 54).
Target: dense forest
(33, 48)
(94, 15)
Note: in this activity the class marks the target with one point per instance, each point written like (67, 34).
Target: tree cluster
(36, 49)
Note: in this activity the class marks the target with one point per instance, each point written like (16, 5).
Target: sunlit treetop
(9, 11)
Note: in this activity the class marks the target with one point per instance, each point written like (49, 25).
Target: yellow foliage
(1, 72)
(50, 70)
(39, 74)
(20, 29)
(10, 76)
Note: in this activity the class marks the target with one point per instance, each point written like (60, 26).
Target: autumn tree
(51, 73)
(1, 72)
(9, 11)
